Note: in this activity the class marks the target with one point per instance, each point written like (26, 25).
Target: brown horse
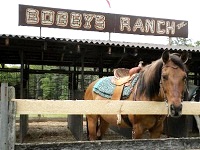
(162, 80)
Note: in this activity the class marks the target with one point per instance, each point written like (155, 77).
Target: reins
(165, 99)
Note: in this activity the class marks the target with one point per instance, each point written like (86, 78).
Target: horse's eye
(165, 77)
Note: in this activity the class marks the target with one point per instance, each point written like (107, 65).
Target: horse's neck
(160, 96)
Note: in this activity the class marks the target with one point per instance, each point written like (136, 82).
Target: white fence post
(4, 117)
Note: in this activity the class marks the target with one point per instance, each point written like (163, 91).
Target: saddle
(122, 77)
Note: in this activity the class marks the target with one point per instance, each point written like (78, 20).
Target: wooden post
(75, 122)
(11, 125)
(4, 117)
(11, 119)
(23, 118)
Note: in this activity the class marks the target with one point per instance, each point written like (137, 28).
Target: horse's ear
(184, 56)
(165, 56)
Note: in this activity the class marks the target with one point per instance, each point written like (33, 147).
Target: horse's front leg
(156, 131)
(92, 121)
(137, 131)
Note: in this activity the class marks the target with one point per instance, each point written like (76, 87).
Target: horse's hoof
(99, 137)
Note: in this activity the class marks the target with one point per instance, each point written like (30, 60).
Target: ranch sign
(102, 22)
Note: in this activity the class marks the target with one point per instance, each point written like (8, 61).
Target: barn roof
(106, 42)
(73, 52)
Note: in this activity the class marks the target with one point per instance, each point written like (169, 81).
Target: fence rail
(28, 106)
(11, 106)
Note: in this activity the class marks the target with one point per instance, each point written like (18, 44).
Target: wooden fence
(79, 107)
(9, 109)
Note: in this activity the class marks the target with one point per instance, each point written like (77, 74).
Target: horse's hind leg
(102, 128)
(92, 121)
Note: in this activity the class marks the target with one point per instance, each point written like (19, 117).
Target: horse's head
(173, 81)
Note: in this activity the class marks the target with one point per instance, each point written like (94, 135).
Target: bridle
(164, 93)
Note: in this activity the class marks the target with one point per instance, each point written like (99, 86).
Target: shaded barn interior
(73, 56)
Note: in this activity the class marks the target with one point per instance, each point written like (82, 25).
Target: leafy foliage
(181, 41)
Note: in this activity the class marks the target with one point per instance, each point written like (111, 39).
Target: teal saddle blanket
(105, 88)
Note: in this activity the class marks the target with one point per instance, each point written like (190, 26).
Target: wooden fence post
(4, 117)
(11, 119)
(11, 125)
(8, 118)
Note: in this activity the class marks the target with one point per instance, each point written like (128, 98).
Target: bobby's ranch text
(103, 22)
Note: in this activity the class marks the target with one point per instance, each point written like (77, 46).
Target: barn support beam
(75, 122)
(23, 118)
(101, 65)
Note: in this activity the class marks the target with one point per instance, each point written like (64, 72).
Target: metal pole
(22, 75)
(40, 31)
(170, 41)
(4, 117)
(82, 71)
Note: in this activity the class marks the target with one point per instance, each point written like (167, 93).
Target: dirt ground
(46, 131)
(53, 130)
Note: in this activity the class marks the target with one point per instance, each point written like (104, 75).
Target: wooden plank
(11, 125)
(100, 107)
(191, 108)
(4, 117)
(11, 118)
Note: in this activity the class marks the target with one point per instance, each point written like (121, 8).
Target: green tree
(181, 41)
(12, 78)
(197, 43)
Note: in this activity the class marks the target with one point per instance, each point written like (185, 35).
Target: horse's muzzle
(176, 111)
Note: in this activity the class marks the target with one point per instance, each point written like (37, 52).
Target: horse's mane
(150, 76)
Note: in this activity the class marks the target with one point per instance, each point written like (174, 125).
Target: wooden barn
(76, 55)
(77, 58)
